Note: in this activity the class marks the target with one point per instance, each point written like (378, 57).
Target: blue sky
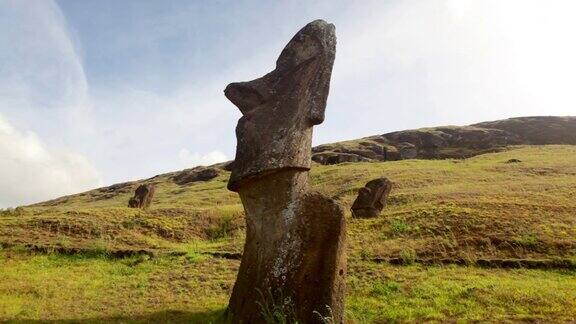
(98, 92)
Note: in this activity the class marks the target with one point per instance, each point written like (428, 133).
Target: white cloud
(188, 159)
(31, 172)
(408, 64)
(43, 88)
(400, 64)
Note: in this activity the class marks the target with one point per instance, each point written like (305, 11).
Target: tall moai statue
(294, 255)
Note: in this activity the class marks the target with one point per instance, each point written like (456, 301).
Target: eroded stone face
(280, 108)
(372, 198)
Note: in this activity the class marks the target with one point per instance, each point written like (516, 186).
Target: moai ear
(318, 98)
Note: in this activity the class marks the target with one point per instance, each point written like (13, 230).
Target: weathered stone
(294, 250)
(280, 108)
(142, 196)
(371, 198)
(345, 157)
(407, 151)
(295, 240)
(537, 130)
(194, 175)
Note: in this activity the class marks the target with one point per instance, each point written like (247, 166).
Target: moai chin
(294, 252)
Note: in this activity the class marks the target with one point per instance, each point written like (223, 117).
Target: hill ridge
(438, 142)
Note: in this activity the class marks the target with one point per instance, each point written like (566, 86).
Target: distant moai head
(280, 108)
(372, 198)
(142, 196)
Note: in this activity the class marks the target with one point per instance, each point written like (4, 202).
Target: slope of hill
(479, 208)
(451, 141)
(439, 251)
(177, 260)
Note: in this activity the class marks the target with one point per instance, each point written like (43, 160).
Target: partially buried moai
(294, 254)
(142, 196)
(371, 198)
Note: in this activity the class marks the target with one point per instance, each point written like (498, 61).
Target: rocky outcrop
(294, 251)
(142, 196)
(371, 198)
(540, 130)
(337, 158)
(195, 175)
(451, 141)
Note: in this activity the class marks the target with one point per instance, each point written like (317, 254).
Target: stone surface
(337, 158)
(371, 198)
(195, 175)
(407, 151)
(142, 196)
(537, 130)
(280, 108)
(294, 252)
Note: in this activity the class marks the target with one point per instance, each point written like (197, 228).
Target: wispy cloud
(43, 88)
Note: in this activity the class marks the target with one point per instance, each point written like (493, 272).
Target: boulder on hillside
(142, 196)
(372, 198)
(195, 175)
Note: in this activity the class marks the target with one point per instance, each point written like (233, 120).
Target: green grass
(380, 293)
(179, 289)
(477, 208)
(84, 287)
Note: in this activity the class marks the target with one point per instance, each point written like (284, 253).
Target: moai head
(372, 198)
(280, 108)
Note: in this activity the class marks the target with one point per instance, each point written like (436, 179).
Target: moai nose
(244, 96)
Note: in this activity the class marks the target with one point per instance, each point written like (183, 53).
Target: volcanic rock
(142, 196)
(295, 240)
(372, 198)
(451, 141)
(195, 175)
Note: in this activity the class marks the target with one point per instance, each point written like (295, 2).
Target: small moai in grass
(142, 196)
(371, 198)
(294, 254)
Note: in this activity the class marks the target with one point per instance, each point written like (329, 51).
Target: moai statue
(371, 198)
(142, 196)
(294, 254)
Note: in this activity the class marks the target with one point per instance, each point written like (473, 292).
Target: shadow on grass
(170, 316)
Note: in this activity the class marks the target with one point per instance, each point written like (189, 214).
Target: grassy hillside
(85, 256)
